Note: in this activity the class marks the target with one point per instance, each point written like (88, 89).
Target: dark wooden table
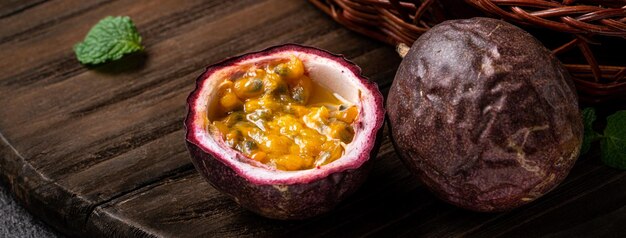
(100, 151)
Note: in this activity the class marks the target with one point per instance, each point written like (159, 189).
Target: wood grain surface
(99, 151)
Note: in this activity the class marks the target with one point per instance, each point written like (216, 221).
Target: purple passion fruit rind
(283, 202)
(287, 194)
(484, 115)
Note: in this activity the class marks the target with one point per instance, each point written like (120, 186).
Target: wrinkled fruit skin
(283, 202)
(483, 114)
(292, 200)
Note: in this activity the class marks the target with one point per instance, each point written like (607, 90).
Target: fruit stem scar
(402, 49)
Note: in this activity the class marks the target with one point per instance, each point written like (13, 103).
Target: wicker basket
(589, 36)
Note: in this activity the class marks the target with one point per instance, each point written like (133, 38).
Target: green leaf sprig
(612, 141)
(108, 40)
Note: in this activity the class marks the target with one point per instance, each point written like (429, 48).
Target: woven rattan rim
(395, 21)
(563, 17)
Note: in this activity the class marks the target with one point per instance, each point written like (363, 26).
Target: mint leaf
(613, 143)
(589, 116)
(110, 39)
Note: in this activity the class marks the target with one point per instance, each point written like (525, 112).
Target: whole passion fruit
(287, 132)
(484, 115)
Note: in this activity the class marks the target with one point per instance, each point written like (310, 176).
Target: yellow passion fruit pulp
(273, 113)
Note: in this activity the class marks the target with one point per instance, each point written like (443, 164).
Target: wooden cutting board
(99, 151)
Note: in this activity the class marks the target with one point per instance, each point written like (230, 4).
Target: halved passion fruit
(287, 132)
